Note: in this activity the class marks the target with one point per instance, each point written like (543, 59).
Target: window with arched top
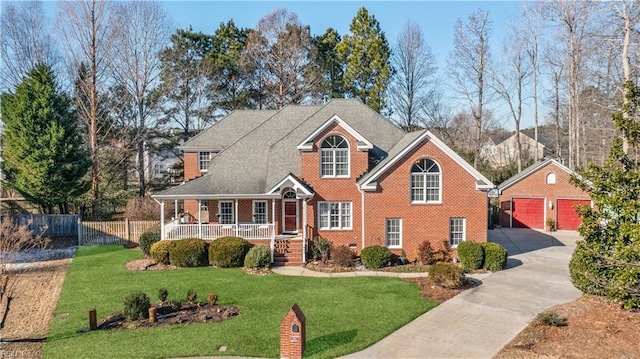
(426, 181)
(334, 157)
(290, 194)
(551, 178)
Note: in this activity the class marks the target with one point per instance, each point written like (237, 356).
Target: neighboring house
(541, 191)
(503, 154)
(339, 170)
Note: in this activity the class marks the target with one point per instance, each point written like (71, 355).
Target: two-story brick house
(339, 170)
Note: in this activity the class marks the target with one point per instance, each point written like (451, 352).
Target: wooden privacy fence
(116, 232)
(49, 225)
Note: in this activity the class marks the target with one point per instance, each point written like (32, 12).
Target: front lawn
(344, 315)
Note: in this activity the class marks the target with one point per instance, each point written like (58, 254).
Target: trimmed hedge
(446, 275)
(258, 257)
(160, 251)
(375, 257)
(188, 252)
(228, 252)
(471, 255)
(148, 238)
(495, 256)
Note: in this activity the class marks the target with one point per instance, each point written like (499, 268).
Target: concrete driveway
(479, 322)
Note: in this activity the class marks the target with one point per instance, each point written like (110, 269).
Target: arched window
(551, 178)
(425, 181)
(334, 157)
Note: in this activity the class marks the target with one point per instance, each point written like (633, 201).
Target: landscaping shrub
(495, 256)
(192, 295)
(188, 252)
(444, 253)
(163, 293)
(374, 257)
(258, 257)
(148, 238)
(343, 256)
(321, 248)
(585, 266)
(212, 298)
(160, 251)
(446, 275)
(425, 253)
(471, 255)
(136, 306)
(226, 252)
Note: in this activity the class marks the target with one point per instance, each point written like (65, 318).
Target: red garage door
(567, 216)
(527, 213)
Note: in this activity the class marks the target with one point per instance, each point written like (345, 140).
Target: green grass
(344, 315)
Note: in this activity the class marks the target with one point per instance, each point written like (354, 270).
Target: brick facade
(535, 186)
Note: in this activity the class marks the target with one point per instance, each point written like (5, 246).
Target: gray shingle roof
(267, 153)
(531, 169)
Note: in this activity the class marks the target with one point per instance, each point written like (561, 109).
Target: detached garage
(539, 192)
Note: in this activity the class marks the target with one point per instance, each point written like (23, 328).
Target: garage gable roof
(531, 170)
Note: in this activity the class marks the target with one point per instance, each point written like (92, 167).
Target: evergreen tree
(331, 69)
(44, 156)
(607, 259)
(365, 53)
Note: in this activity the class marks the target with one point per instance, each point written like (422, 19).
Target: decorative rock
(222, 349)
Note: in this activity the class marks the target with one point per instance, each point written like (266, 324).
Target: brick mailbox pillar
(293, 334)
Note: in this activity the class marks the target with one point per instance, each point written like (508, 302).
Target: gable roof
(228, 130)
(532, 169)
(263, 156)
(409, 142)
(307, 143)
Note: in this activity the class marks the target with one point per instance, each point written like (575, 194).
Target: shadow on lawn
(325, 342)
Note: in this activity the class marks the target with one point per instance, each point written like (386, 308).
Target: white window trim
(266, 211)
(200, 169)
(333, 154)
(220, 212)
(548, 176)
(464, 231)
(350, 227)
(386, 232)
(425, 190)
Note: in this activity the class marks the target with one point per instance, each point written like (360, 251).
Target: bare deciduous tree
(411, 85)
(468, 64)
(86, 32)
(144, 29)
(26, 41)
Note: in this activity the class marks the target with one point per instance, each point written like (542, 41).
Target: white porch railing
(213, 231)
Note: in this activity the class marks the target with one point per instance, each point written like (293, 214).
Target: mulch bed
(147, 264)
(167, 315)
(437, 293)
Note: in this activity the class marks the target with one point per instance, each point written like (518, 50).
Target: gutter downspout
(361, 213)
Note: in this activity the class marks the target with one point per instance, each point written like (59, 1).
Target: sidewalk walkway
(480, 321)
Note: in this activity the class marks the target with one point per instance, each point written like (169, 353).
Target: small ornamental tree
(606, 260)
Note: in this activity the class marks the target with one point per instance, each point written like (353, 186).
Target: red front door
(290, 216)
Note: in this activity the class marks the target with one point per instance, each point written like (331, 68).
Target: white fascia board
(306, 144)
(297, 185)
(199, 149)
(214, 196)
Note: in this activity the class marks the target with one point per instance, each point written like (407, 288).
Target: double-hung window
(259, 212)
(203, 161)
(457, 229)
(393, 232)
(225, 213)
(334, 157)
(334, 215)
(426, 182)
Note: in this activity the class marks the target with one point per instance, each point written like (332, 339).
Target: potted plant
(403, 257)
(551, 224)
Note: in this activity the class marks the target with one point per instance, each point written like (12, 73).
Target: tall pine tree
(44, 156)
(365, 53)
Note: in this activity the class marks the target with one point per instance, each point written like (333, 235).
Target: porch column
(162, 229)
(200, 218)
(175, 210)
(273, 214)
(304, 230)
(236, 216)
